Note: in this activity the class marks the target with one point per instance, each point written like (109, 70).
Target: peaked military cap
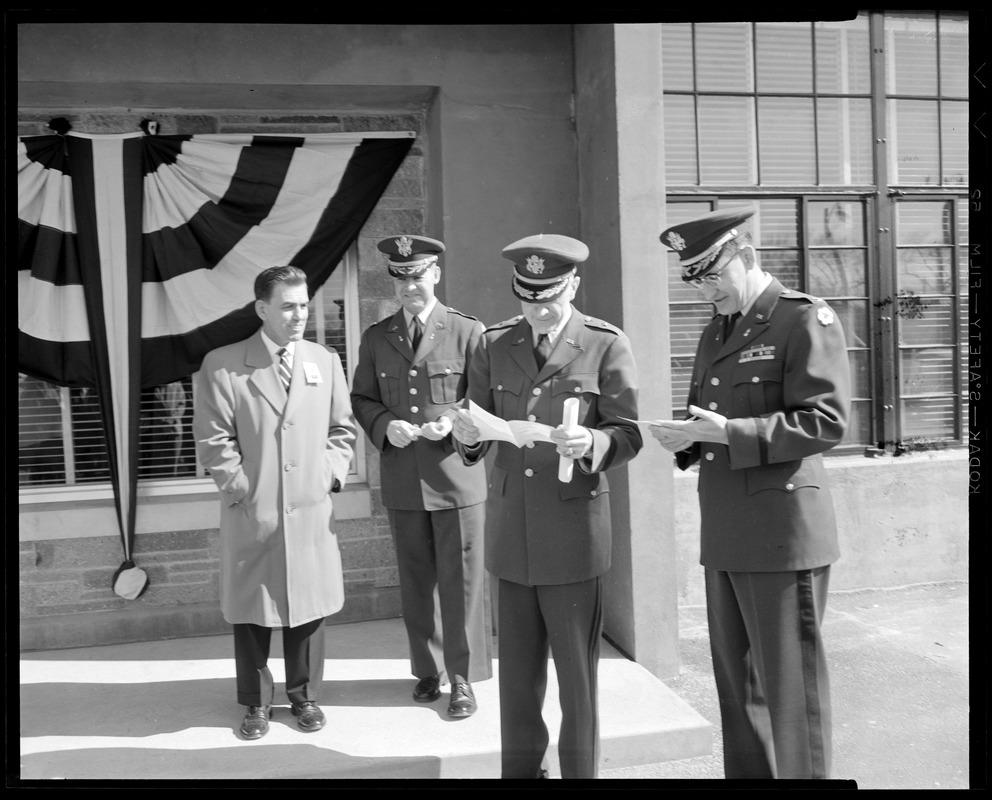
(699, 241)
(543, 265)
(410, 256)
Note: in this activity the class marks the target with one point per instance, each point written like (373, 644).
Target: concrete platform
(166, 710)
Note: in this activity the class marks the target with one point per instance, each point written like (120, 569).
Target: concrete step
(166, 710)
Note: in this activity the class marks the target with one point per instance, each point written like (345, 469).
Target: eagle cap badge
(675, 241)
(535, 264)
(404, 245)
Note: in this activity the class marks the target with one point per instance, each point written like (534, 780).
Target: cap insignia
(404, 245)
(675, 241)
(825, 316)
(535, 264)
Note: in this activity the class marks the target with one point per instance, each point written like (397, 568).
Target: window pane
(39, 432)
(860, 373)
(676, 55)
(681, 378)
(727, 141)
(911, 53)
(326, 322)
(785, 135)
(913, 141)
(784, 265)
(931, 417)
(954, 141)
(859, 424)
(853, 318)
(166, 448)
(842, 56)
(784, 53)
(687, 324)
(89, 444)
(680, 140)
(953, 55)
(837, 273)
(844, 141)
(923, 222)
(835, 223)
(925, 270)
(776, 223)
(925, 373)
(724, 57)
(924, 321)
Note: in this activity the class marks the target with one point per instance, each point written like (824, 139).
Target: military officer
(770, 393)
(547, 541)
(412, 370)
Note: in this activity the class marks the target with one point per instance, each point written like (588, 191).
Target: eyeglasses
(710, 279)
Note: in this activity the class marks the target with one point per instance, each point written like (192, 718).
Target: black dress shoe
(427, 689)
(310, 717)
(256, 722)
(462, 703)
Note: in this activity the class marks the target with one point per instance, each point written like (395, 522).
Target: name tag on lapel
(311, 372)
(760, 352)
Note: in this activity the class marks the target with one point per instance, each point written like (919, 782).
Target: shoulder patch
(507, 323)
(600, 325)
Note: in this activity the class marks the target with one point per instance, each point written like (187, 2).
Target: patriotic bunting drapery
(137, 254)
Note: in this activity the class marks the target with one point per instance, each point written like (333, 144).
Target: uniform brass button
(413, 390)
(592, 492)
(713, 405)
(530, 445)
(414, 409)
(290, 509)
(715, 381)
(755, 379)
(288, 467)
(578, 388)
(447, 371)
(790, 486)
(413, 373)
(529, 473)
(537, 390)
(532, 417)
(709, 456)
(382, 374)
(499, 388)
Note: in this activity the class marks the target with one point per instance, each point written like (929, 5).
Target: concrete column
(621, 177)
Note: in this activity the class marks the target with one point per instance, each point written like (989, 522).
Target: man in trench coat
(770, 394)
(549, 541)
(275, 432)
(412, 370)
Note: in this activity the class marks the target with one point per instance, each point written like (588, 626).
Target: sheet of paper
(517, 432)
(644, 421)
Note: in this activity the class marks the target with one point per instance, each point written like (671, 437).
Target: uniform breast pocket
(446, 379)
(786, 476)
(506, 388)
(389, 388)
(758, 387)
(583, 385)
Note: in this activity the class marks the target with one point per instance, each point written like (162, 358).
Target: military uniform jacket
(276, 461)
(538, 529)
(783, 381)
(391, 382)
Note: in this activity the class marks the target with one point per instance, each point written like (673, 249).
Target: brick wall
(65, 594)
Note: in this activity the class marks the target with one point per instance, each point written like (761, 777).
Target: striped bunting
(137, 254)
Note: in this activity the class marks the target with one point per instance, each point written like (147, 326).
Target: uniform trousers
(568, 619)
(303, 655)
(441, 564)
(771, 672)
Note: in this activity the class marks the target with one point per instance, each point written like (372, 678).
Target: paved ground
(161, 711)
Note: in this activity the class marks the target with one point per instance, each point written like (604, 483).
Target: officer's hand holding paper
(475, 424)
(702, 426)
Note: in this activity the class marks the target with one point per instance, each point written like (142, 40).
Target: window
(61, 442)
(859, 185)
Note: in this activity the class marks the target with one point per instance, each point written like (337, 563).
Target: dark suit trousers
(440, 560)
(568, 619)
(303, 654)
(771, 672)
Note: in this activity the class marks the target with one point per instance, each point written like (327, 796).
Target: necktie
(731, 322)
(416, 333)
(285, 373)
(543, 350)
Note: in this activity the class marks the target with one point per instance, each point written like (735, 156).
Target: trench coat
(540, 531)
(783, 381)
(275, 461)
(391, 382)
